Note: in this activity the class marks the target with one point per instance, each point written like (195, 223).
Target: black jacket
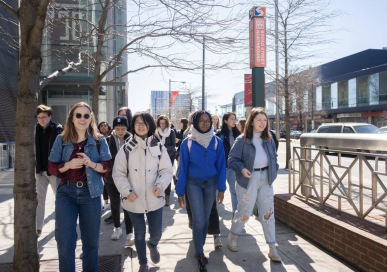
(56, 129)
(113, 151)
(226, 142)
(170, 145)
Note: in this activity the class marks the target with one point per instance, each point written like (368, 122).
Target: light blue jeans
(231, 180)
(42, 183)
(258, 191)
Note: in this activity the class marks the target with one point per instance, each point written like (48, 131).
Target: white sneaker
(117, 232)
(106, 207)
(129, 240)
(273, 253)
(232, 242)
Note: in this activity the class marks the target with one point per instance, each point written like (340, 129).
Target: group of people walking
(134, 160)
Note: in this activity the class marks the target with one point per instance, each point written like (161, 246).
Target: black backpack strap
(98, 145)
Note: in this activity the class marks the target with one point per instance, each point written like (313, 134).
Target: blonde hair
(70, 133)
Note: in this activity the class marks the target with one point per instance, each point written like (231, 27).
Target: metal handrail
(329, 187)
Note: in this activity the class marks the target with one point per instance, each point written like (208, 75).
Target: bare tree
(303, 24)
(162, 33)
(31, 18)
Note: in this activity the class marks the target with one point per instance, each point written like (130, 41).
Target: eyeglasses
(79, 115)
(138, 124)
(42, 118)
(205, 122)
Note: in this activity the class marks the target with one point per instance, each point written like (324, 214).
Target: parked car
(348, 128)
(313, 131)
(283, 134)
(295, 134)
(384, 129)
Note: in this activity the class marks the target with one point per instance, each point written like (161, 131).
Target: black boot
(202, 261)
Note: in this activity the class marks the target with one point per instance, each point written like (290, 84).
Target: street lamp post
(169, 99)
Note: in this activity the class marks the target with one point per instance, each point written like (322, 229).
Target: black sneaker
(154, 253)
(202, 263)
(109, 220)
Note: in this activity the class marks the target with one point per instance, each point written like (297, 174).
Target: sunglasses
(79, 115)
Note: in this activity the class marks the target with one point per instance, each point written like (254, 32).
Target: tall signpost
(257, 39)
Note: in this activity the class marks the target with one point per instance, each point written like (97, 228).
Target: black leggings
(105, 194)
(115, 202)
(213, 226)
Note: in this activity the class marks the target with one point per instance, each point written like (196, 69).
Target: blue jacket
(61, 152)
(242, 155)
(201, 163)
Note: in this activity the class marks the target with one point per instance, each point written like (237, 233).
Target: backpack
(275, 139)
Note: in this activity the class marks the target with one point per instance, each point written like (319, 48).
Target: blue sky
(363, 26)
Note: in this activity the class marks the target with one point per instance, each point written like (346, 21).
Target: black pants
(115, 203)
(105, 194)
(213, 227)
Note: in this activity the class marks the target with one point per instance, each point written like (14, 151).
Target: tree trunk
(32, 16)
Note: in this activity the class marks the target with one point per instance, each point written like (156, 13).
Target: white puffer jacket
(149, 166)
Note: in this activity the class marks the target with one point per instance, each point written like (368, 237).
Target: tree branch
(9, 9)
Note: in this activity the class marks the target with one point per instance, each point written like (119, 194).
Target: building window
(318, 98)
(373, 89)
(362, 86)
(383, 87)
(343, 94)
(326, 96)
(334, 95)
(352, 92)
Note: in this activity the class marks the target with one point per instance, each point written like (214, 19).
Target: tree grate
(106, 264)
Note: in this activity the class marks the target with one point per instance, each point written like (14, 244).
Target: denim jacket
(61, 152)
(242, 155)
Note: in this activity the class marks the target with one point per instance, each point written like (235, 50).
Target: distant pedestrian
(228, 134)
(241, 124)
(46, 132)
(115, 141)
(183, 125)
(125, 111)
(168, 139)
(79, 158)
(253, 157)
(215, 122)
(142, 171)
(105, 129)
(202, 171)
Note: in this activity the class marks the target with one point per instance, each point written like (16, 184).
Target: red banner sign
(174, 94)
(248, 90)
(257, 37)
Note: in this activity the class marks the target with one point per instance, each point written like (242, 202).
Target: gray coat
(242, 155)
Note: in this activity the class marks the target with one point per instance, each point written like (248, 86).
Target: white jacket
(149, 166)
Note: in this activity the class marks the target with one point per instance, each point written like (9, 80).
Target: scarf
(203, 139)
(163, 134)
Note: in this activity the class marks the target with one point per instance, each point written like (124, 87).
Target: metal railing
(351, 182)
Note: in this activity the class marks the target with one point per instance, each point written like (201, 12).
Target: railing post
(305, 176)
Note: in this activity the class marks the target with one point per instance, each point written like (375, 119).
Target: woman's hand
(180, 199)
(220, 197)
(86, 160)
(246, 173)
(156, 191)
(76, 163)
(132, 197)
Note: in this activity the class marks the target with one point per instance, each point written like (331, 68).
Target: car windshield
(367, 129)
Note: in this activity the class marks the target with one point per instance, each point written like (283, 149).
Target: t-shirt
(260, 153)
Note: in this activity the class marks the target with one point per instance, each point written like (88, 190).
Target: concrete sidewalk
(176, 246)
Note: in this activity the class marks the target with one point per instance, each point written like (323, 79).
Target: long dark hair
(148, 121)
(185, 123)
(104, 122)
(224, 130)
(249, 129)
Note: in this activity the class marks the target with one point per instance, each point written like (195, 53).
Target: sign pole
(257, 37)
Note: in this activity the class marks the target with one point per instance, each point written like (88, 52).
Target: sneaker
(117, 232)
(129, 240)
(143, 268)
(273, 253)
(217, 241)
(232, 242)
(39, 232)
(106, 207)
(109, 220)
(154, 253)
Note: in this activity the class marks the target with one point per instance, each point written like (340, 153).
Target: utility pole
(277, 113)
(203, 74)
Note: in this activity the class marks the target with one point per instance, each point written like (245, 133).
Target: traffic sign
(257, 12)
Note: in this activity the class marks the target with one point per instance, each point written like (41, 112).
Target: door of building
(61, 109)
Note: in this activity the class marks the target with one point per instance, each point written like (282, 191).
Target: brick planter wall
(362, 244)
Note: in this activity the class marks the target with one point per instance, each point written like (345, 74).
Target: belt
(261, 169)
(79, 184)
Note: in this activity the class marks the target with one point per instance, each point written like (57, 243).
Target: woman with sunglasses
(79, 159)
(202, 171)
(142, 171)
